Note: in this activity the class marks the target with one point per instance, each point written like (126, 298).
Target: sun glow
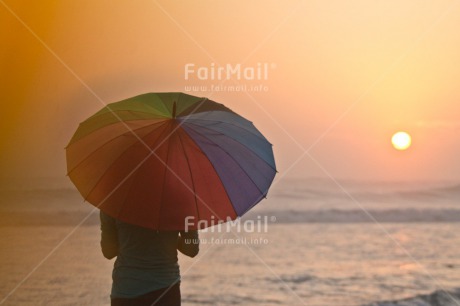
(401, 141)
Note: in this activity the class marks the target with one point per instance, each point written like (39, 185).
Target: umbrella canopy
(159, 159)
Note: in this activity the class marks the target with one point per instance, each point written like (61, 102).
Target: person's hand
(188, 243)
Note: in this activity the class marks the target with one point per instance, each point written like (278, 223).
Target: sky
(337, 78)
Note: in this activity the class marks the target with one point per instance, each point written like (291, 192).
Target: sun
(401, 141)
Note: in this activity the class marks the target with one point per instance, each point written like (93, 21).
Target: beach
(51, 253)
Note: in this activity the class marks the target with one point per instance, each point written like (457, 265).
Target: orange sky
(343, 76)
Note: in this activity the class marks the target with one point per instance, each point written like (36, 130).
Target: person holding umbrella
(146, 271)
(161, 166)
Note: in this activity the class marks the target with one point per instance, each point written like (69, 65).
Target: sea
(313, 241)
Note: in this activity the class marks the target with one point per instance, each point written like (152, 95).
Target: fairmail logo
(239, 72)
(256, 225)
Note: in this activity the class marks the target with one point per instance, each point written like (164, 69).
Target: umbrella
(161, 160)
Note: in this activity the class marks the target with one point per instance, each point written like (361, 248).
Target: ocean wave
(437, 298)
(361, 215)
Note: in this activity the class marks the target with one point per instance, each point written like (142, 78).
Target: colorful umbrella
(161, 160)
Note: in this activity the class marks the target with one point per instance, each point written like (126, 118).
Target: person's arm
(109, 237)
(189, 243)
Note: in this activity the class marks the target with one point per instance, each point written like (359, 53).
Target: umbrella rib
(153, 116)
(150, 155)
(112, 139)
(196, 111)
(191, 176)
(164, 181)
(263, 193)
(98, 181)
(223, 185)
(255, 203)
(123, 203)
(187, 118)
(203, 127)
(225, 189)
(113, 123)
